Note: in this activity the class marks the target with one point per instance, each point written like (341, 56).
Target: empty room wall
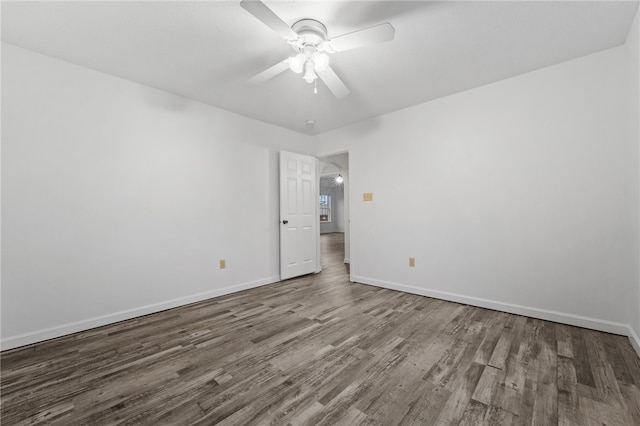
(119, 199)
(512, 196)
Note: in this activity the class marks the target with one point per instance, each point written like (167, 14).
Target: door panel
(292, 194)
(308, 243)
(307, 192)
(298, 211)
(292, 240)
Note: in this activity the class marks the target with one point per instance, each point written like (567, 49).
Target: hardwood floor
(319, 350)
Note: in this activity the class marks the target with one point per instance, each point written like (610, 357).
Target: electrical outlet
(412, 262)
(367, 196)
(223, 263)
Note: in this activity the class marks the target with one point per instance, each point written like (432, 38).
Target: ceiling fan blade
(270, 19)
(333, 82)
(376, 34)
(269, 73)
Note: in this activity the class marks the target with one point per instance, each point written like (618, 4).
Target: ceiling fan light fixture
(309, 39)
(320, 61)
(296, 63)
(309, 73)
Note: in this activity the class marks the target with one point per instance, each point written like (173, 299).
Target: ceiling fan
(309, 40)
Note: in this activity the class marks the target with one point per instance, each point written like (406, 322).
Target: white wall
(633, 66)
(119, 199)
(513, 196)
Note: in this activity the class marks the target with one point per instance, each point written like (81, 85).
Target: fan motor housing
(310, 32)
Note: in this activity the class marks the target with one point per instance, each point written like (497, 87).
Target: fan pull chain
(315, 86)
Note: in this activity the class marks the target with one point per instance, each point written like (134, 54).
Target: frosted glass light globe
(296, 63)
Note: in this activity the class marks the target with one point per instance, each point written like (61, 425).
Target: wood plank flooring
(319, 350)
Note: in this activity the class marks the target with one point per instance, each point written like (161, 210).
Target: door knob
(285, 221)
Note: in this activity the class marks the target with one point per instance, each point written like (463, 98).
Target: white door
(298, 215)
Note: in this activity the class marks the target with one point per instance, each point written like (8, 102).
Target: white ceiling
(207, 50)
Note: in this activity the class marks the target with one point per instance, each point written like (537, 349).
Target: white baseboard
(579, 321)
(634, 339)
(346, 260)
(63, 330)
(570, 319)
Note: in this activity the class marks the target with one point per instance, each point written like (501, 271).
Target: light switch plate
(367, 196)
(412, 262)
(223, 263)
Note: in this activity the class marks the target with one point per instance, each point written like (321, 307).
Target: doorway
(332, 246)
(333, 217)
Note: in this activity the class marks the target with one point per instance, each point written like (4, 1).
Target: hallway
(332, 249)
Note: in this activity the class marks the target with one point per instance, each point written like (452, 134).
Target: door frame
(347, 209)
